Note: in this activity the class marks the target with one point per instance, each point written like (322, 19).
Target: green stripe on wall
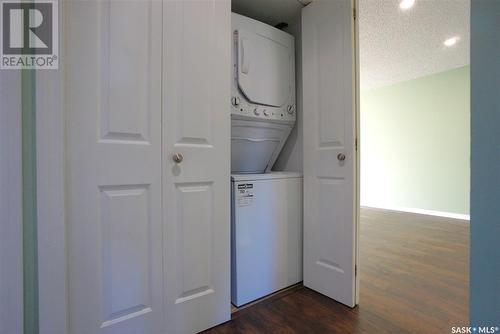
(30, 258)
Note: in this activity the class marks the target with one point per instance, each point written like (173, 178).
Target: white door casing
(196, 124)
(329, 135)
(113, 105)
(11, 233)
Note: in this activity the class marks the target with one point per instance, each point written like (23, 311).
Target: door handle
(177, 157)
(245, 64)
(341, 156)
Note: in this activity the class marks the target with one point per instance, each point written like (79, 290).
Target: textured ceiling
(269, 11)
(395, 45)
(398, 45)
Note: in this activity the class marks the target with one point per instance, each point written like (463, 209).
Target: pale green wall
(415, 142)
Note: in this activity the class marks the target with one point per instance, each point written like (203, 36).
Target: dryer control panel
(240, 106)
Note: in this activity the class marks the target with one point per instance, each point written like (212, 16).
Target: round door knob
(177, 157)
(341, 156)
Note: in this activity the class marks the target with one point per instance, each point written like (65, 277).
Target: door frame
(11, 229)
(357, 148)
(51, 184)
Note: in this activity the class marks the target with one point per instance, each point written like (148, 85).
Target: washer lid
(256, 144)
(265, 65)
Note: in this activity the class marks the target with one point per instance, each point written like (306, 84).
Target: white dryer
(263, 94)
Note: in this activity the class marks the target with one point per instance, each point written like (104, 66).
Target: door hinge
(355, 270)
(354, 13)
(356, 144)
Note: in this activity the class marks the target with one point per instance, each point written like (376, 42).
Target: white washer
(266, 234)
(263, 94)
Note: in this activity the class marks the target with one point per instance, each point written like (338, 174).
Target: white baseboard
(421, 211)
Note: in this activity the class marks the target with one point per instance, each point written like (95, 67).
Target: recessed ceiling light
(451, 41)
(406, 4)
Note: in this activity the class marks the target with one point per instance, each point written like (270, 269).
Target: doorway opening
(324, 84)
(415, 148)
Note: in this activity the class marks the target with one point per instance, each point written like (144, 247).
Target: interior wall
(485, 164)
(415, 144)
(11, 234)
(290, 158)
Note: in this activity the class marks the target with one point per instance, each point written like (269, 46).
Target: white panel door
(196, 125)
(113, 105)
(329, 156)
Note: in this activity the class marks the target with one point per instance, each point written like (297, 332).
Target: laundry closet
(266, 165)
(211, 158)
(266, 206)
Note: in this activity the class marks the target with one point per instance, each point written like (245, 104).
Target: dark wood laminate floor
(413, 277)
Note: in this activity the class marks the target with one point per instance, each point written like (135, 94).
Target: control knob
(289, 109)
(235, 101)
(266, 113)
(256, 111)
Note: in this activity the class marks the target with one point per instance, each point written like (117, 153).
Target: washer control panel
(240, 106)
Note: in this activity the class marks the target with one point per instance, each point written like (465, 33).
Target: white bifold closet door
(113, 106)
(196, 125)
(328, 55)
(148, 239)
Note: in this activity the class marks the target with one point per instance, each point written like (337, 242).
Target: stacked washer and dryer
(266, 206)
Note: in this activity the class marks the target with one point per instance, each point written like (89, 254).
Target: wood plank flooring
(413, 279)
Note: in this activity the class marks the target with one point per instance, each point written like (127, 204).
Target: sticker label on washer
(244, 194)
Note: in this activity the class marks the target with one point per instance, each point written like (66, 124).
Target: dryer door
(264, 68)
